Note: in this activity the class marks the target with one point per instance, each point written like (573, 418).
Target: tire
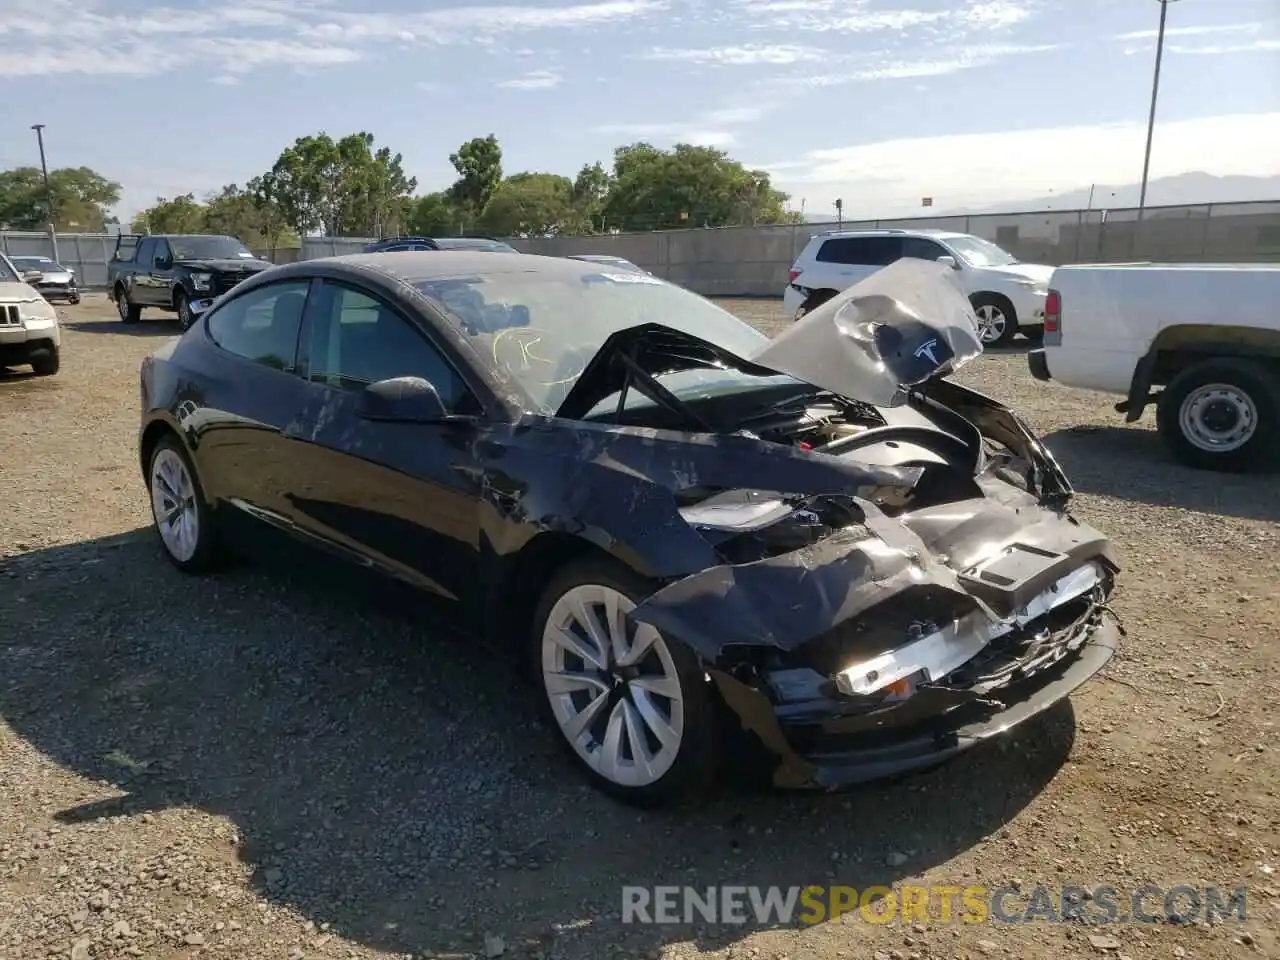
(73, 300)
(45, 361)
(681, 765)
(129, 313)
(997, 320)
(183, 306)
(815, 300)
(1222, 414)
(193, 548)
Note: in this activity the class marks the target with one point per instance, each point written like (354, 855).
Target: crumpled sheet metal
(890, 332)
(787, 600)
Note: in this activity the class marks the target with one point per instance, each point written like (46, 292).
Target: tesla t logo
(926, 350)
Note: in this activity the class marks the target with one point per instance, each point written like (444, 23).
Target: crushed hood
(897, 329)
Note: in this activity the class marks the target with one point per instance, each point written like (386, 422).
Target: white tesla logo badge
(926, 350)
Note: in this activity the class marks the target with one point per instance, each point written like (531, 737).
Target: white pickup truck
(1206, 335)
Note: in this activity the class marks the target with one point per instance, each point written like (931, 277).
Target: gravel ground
(283, 762)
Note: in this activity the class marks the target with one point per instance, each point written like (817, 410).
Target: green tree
(274, 220)
(237, 213)
(435, 215)
(590, 190)
(184, 214)
(81, 199)
(529, 204)
(655, 189)
(479, 166)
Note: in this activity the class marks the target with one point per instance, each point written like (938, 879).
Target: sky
(878, 102)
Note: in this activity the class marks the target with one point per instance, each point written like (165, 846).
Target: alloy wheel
(991, 322)
(614, 689)
(173, 504)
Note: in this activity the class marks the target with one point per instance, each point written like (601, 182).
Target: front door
(399, 496)
(158, 276)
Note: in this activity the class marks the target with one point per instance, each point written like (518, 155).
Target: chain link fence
(754, 261)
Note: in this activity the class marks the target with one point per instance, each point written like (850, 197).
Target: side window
(862, 251)
(262, 325)
(146, 250)
(357, 340)
(161, 253)
(922, 249)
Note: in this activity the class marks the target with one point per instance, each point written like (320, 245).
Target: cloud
(819, 16)
(671, 133)
(534, 80)
(749, 55)
(1192, 31)
(881, 66)
(1257, 46)
(993, 167)
(48, 37)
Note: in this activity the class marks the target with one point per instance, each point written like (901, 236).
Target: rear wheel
(631, 706)
(183, 306)
(815, 300)
(129, 313)
(1222, 414)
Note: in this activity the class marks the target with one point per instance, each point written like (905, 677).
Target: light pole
(48, 192)
(1151, 120)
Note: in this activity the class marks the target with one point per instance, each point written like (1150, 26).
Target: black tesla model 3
(668, 517)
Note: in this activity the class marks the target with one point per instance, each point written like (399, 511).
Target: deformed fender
(787, 600)
(757, 716)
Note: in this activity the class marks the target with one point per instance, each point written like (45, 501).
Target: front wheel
(129, 313)
(183, 306)
(1222, 414)
(183, 520)
(46, 361)
(632, 707)
(997, 324)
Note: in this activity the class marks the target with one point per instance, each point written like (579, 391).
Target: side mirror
(32, 276)
(402, 400)
(949, 262)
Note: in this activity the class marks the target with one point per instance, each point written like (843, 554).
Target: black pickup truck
(181, 273)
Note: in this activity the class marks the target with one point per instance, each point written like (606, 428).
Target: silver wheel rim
(991, 322)
(122, 304)
(1218, 418)
(614, 690)
(184, 313)
(173, 503)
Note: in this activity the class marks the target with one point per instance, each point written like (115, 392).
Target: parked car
(1200, 341)
(666, 516)
(411, 244)
(608, 260)
(56, 281)
(180, 273)
(1007, 295)
(29, 330)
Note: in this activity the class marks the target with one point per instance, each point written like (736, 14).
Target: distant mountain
(1185, 188)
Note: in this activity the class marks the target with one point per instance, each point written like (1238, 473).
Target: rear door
(244, 392)
(401, 497)
(855, 258)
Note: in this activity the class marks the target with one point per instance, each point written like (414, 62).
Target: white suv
(29, 330)
(1007, 296)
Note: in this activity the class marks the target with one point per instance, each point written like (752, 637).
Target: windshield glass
(43, 264)
(7, 274)
(980, 253)
(491, 246)
(208, 248)
(543, 329)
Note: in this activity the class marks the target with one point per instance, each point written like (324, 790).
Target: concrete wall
(753, 261)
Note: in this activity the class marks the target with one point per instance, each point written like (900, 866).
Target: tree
(529, 204)
(479, 166)
(590, 190)
(182, 214)
(81, 198)
(688, 185)
(237, 213)
(435, 215)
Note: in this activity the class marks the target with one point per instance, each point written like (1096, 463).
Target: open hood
(897, 329)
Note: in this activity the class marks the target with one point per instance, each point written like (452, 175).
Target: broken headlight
(749, 525)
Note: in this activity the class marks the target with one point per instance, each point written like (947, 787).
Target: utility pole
(1151, 120)
(48, 192)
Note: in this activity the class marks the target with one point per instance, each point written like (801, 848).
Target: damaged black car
(688, 533)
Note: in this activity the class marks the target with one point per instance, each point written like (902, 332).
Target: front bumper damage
(901, 642)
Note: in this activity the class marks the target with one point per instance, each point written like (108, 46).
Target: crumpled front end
(900, 641)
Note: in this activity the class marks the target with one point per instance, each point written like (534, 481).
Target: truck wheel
(183, 306)
(1222, 414)
(129, 313)
(997, 321)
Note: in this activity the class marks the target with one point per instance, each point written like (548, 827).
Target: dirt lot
(285, 763)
